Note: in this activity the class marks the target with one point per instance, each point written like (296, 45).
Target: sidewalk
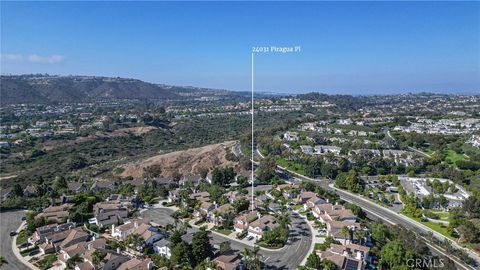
(315, 239)
(233, 236)
(16, 250)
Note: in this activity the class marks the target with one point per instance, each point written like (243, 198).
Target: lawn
(224, 231)
(442, 214)
(438, 227)
(21, 238)
(297, 206)
(452, 157)
(296, 167)
(47, 261)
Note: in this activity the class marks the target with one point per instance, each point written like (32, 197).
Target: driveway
(10, 221)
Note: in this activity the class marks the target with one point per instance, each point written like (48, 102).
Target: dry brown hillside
(185, 162)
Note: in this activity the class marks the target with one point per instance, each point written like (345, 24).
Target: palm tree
(252, 258)
(74, 260)
(97, 258)
(135, 240)
(284, 218)
(345, 233)
(184, 226)
(360, 234)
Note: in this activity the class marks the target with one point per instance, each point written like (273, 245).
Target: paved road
(289, 257)
(378, 212)
(10, 221)
(160, 216)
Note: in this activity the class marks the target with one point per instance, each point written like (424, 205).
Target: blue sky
(347, 47)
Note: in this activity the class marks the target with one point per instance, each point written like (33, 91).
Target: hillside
(46, 89)
(186, 162)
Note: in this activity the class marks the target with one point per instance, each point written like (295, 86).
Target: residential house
(80, 249)
(162, 247)
(229, 262)
(233, 196)
(241, 222)
(148, 233)
(200, 196)
(265, 223)
(323, 149)
(111, 261)
(55, 213)
(351, 250)
(55, 241)
(193, 179)
(41, 233)
(123, 231)
(174, 196)
(136, 264)
(76, 187)
(102, 185)
(205, 210)
(334, 229)
(29, 191)
(290, 136)
(303, 197)
(109, 218)
(342, 262)
(218, 213)
(328, 212)
(314, 204)
(75, 236)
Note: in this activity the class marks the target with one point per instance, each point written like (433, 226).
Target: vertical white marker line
(253, 199)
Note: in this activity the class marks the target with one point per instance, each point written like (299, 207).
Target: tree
(314, 261)
(175, 238)
(266, 169)
(328, 265)
(242, 180)
(135, 240)
(393, 254)
(152, 171)
(60, 183)
(97, 258)
(223, 176)
(72, 261)
(201, 247)
(182, 254)
(252, 258)
(17, 190)
(380, 234)
(345, 233)
(241, 205)
(225, 247)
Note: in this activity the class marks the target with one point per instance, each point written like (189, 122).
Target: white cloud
(12, 57)
(33, 58)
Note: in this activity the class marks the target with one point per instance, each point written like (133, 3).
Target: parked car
(26, 244)
(33, 253)
(12, 233)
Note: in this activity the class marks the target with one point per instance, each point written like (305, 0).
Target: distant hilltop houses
(474, 141)
(442, 126)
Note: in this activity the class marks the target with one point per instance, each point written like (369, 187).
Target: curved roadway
(288, 257)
